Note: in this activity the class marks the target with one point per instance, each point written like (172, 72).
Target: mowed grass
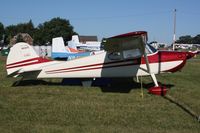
(51, 107)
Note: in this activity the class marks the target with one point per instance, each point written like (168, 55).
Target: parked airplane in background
(87, 46)
(60, 51)
(126, 55)
(183, 46)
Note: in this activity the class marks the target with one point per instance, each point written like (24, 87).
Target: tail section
(59, 50)
(73, 42)
(22, 56)
(75, 38)
(58, 45)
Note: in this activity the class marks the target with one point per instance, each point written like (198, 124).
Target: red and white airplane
(126, 55)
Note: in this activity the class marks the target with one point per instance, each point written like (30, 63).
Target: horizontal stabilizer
(14, 74)
(32, 74)
(29, 74)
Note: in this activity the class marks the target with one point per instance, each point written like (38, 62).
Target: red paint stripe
(165, 56)
(22, 61)
(40, 59)
(98, 64)
(136, 33)
(26, 62)
(84, 69)
(177, 68)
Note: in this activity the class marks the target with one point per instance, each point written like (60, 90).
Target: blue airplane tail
(59, 51)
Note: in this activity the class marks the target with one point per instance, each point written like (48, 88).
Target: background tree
(44, 33)
(56, 27)
(189, 39)
(2, 32)
(185, 39)
(13, 30)
(196, 39)
(19, 38)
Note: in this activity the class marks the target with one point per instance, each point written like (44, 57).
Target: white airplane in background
(125, 55)
(87, 46)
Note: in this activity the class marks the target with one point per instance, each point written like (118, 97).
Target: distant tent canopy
(21, 37)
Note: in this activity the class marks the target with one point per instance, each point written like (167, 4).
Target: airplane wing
(130, 41)
(132, 45)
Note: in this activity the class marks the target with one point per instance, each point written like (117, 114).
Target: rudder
(58, 48)
(21, 54)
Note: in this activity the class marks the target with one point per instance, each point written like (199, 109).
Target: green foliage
(13, 30)
(196, 39)
(1, 31)
(56, 27)
(44, 33)
(189, 39)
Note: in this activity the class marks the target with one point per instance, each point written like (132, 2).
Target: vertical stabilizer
(73, 43)
(58, 45)
(75, 38)
(21, 54)
(58, 48)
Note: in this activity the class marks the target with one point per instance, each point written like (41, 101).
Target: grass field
(50, 107)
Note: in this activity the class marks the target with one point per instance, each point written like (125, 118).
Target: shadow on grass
(33, 83)
(114, 85)
(125, 86)
(121, 85)
(183, 106)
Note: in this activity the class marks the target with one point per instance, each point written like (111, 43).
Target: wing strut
(156, 90)
(149, 70)
(147, 64)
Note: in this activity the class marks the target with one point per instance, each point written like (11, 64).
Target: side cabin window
(115, 56)
(125, 54)
(150, 49)
(132, 53)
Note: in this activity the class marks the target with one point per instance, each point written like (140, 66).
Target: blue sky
(106, 18)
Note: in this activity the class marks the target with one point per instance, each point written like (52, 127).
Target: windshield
(150, 49)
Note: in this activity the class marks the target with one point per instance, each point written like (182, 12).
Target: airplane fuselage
(102, 65)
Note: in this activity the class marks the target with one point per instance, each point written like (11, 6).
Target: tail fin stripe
(22, 64)
(27, 62)
(24, 61)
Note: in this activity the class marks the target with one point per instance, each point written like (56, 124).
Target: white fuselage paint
(96, 66)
